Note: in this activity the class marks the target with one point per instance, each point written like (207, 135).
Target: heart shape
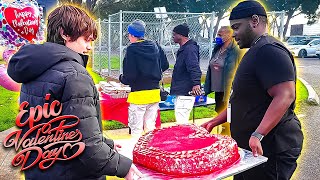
(25, 21)
(80, 146)
(185, 150)
(181, 138)
(6, 81)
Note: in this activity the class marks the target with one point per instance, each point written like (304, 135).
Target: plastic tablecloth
(117, 109)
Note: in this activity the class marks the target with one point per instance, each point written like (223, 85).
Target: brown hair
(74, 22)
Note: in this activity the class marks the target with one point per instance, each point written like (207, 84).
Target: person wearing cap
(143, 65)
(263, 98)
(186, 74)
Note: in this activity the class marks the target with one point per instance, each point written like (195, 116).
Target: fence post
(93, 56)
(109, 46)
(120, 33)
(211, 34)
(99, 25)
(282, 25)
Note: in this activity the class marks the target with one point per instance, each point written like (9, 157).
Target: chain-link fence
(276, 23)
(111, 44)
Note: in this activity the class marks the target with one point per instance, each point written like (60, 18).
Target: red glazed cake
(185, 150)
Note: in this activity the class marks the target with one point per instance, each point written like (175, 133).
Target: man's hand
(255, 146)
(133, 171)
(196, 90)
(208, 125)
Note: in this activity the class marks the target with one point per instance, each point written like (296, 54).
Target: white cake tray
(247, 161)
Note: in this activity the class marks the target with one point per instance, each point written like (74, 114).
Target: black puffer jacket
(186, 72)
(55, 69)
(143, 65)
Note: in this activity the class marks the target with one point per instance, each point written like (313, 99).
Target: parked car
(318, 52)
(291, 40)
(305, 48)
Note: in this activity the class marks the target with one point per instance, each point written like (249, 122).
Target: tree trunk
(290, 13)
(79, 2)
(217, 25)
(90, 4)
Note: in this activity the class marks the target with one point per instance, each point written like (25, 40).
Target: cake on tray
(185, 150)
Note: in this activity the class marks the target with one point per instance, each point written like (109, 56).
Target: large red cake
(185, 150)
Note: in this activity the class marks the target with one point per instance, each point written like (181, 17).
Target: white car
(318, 52)
(305, 48)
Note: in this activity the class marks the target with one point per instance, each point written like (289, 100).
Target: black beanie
(247, 9)
(182, 29)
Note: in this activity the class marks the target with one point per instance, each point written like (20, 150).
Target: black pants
(278, 167)
(220, 104)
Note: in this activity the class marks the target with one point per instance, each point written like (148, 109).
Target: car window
(303, 42)
(314, 43)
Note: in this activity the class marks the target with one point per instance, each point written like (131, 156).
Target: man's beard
(248, 37)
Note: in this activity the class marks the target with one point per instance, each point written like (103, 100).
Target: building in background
(304, 29)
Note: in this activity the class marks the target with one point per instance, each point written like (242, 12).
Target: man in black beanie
(186, 76)
(263, 98)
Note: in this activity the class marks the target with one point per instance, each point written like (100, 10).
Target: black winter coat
(186, 72)
(55, 69)
(143, 66)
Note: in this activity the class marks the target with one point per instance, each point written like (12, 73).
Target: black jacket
(186, 72)
(55, 69)
(143, 65)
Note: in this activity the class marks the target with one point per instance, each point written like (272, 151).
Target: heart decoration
(21, 22)
(185, 150)
(25, 21)
(7, 54)
(6, 81)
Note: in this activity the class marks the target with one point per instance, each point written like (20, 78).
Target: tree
(88, 4)
(293, 8)
(220, 7)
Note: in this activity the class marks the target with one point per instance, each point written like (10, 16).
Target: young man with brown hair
(57, 67)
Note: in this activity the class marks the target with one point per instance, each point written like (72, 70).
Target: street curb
(313, 98)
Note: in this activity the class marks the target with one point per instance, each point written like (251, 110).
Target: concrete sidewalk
(7, 171)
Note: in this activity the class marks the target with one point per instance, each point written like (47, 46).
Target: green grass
(302, 96)
(115, 61)
(2, 61)
(9, 107)
(302, 93)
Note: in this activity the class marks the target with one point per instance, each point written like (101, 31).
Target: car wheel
(302, 53)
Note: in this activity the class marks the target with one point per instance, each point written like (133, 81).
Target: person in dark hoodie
(143, 65)
(58, 67)
(186, 75)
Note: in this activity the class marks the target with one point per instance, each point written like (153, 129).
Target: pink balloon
(6, 81)
(7, 54)
(21, 22)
